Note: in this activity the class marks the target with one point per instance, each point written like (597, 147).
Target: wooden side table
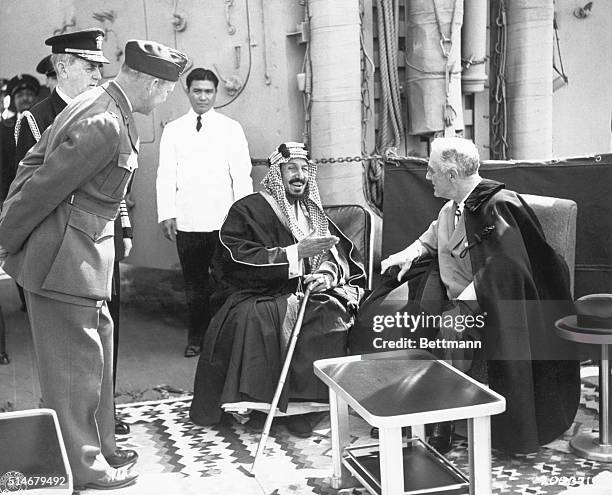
(407, 388)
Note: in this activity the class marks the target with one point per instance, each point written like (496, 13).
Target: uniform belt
(92, 205)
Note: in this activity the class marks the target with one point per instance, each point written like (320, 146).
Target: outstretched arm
(405, 258)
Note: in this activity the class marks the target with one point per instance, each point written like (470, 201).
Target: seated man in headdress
(272, 245)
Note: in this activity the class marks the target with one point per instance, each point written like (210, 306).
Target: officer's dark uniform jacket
(58, 225)
(7, 155)
(37, 119)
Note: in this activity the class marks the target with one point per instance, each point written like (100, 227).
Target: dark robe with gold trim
(243, 351)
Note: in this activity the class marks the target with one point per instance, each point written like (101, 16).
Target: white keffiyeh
(273, 183)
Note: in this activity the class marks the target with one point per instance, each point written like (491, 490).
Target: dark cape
(522, 286)
(242, 350)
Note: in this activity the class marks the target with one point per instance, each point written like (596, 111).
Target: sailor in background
(23, 90)
(45, 67)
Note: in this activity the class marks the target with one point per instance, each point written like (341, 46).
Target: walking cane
(281, 382)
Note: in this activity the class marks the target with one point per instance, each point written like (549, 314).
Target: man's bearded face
(295, 178)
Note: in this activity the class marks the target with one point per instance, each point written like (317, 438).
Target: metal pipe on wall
(529, 79)
(474, 46)
(433, 66)
(336, 97)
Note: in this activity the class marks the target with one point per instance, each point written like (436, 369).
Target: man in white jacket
(204, 166)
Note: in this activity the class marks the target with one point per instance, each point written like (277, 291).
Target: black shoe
(256, 422)
(441, 436)
(115, 478)
(4, 359)
(299, 426)
(122, 458)
(121, 428)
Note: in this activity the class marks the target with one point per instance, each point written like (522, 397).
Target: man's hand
(169, 229)
(313, 245)
(403, 259)
(129, 200)
(318, 282)
(127, 246)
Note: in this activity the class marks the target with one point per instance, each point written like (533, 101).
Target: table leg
(339, 422)
(479, 447)
(391, 461)
(418, 431)
(604, 396)
(591, 445)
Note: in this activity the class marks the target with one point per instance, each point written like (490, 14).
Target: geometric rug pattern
(177, 456)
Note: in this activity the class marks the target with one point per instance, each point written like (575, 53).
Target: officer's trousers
(74, 351)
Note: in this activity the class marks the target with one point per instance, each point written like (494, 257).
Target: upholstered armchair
(356, 223)
(558, 219)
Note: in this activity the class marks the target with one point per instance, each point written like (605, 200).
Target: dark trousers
(195, 252)
(113, 309)
(21, 296)
(3, 356)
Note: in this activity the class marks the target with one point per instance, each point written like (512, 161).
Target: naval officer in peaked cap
(80, 70)
(76, 59)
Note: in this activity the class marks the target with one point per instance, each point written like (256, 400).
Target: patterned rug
(177, 456)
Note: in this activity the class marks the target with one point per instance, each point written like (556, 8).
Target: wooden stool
(593, 325)
(407, 388)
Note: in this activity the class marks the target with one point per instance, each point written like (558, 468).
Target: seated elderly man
(489, 252)
(272, 245)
